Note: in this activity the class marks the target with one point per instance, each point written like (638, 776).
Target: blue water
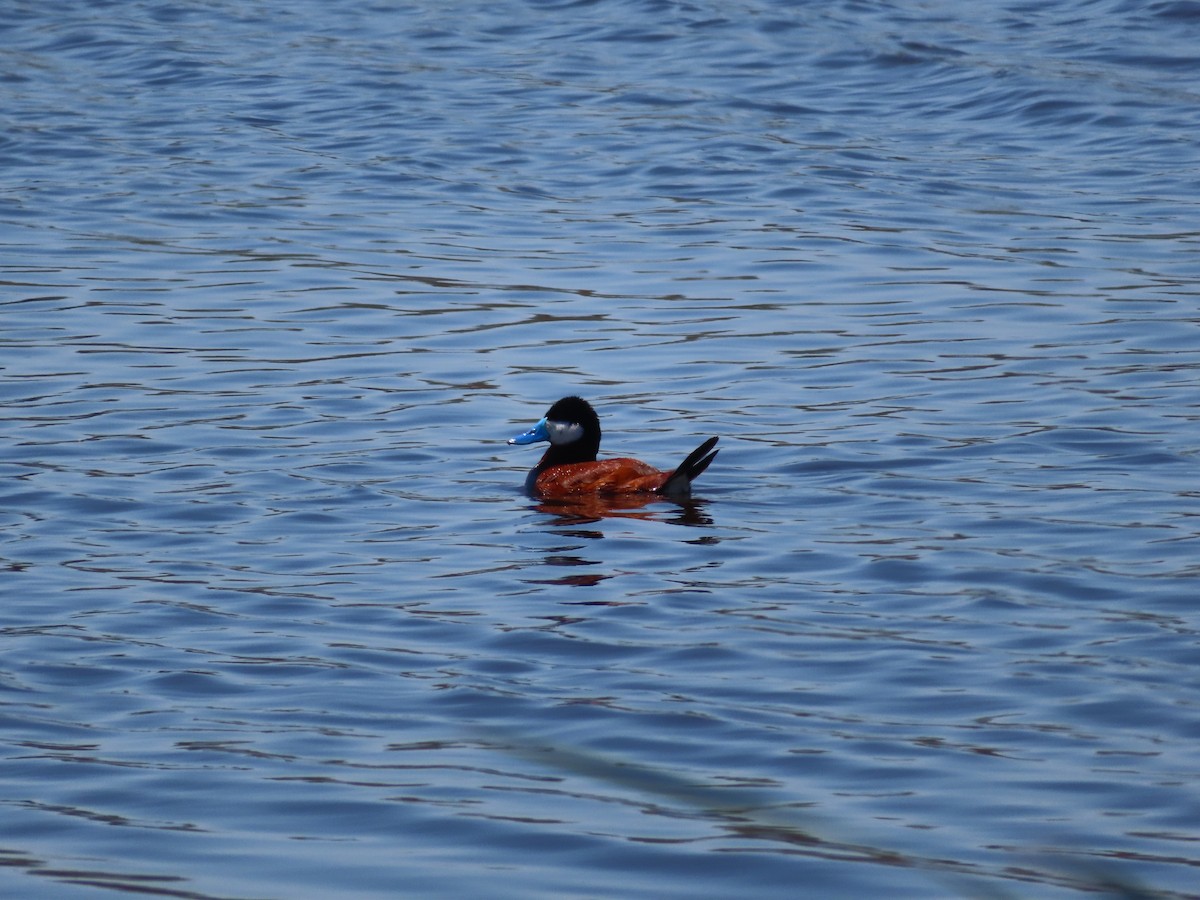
(277, 280)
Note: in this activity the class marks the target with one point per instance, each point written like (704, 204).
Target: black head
(574, 419)
(573, 430)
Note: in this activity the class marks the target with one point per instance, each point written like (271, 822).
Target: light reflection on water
(278, 619)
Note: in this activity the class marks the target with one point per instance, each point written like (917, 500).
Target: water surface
(276, 283)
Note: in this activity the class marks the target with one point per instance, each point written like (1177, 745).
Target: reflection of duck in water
(569, 469)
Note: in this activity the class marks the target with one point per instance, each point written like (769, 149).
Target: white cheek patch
(564, 432)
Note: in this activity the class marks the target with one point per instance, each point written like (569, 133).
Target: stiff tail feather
(679, 482)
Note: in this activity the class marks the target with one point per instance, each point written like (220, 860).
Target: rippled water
(277, 281)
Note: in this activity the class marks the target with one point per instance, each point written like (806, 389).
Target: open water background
(278, 279)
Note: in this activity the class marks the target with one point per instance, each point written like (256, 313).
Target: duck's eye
(564, 432)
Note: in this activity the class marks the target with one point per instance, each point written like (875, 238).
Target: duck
(569, 468)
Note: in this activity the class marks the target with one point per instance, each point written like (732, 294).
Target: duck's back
(605, 476)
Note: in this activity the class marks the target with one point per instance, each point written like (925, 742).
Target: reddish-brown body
(605, 476)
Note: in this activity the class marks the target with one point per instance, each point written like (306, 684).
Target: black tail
(679, 484)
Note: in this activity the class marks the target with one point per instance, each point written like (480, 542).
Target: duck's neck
(582, 450)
